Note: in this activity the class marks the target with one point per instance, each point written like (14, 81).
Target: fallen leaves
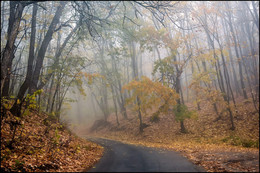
(40, 148)
(209, 143)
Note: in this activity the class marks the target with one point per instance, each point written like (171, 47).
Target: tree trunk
(35, 76)
(120, 100)
(29, 73)
(44, 45)
(135, 76)
(227, 38)
(237, 54)
(16, 10)
(141, 129)
(183, 129)
(115, 105)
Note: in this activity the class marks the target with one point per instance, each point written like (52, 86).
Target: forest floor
(41, 144)
(208, 143)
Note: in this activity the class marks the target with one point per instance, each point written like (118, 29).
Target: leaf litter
(208, 143)
(42, 144)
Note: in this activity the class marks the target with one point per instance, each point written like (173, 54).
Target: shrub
(237, 141)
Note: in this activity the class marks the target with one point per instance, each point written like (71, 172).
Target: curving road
(120, 157)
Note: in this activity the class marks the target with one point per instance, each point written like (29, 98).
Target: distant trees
(202, 51)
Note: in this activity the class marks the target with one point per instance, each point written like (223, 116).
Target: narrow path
(120, 157)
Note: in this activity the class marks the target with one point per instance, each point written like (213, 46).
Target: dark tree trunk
(141, 128)
(183, 129)
(8, 78)
(29, 73)
(44, 45)
(16, 10)
(15, 108)
(35, 76)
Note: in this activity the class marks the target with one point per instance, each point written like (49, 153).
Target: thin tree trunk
(227, 37)
(115, 105)
(135, 76)
(236, 51)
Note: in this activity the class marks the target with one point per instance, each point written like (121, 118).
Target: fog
(201, 40)
(89, 59)
(83, 111)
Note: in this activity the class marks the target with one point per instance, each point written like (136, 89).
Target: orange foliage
(151, 94)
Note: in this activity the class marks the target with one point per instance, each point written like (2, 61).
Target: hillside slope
(40, 143)
(208, 143)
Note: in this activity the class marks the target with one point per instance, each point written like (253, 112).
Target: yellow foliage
(151, 94)
(90, 77)
(27, 16)
(205, 92)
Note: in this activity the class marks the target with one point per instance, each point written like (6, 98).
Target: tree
(16, 108)
(151, 95)
(16, 10)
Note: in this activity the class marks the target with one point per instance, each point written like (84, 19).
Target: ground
(121, 157)
(208, 143)
(41, 144)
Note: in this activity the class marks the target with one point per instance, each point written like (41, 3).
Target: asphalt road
(120, 157)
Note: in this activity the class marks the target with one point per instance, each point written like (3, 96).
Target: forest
(171, 74)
